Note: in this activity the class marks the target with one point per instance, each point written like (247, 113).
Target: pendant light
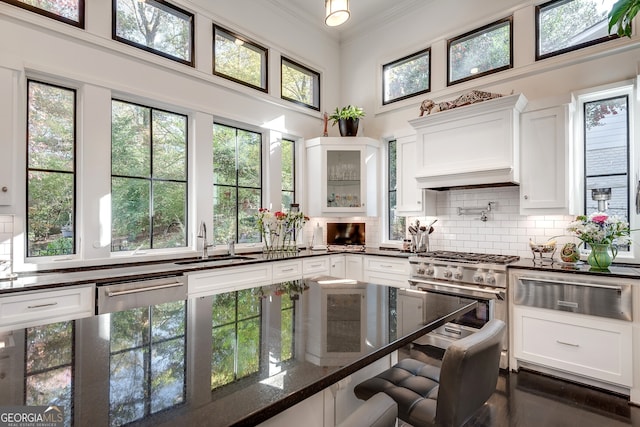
(337, 12)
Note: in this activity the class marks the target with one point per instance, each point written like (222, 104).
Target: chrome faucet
(202, 234)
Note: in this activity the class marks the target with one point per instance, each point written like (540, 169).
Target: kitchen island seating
(379, 411)
(449, 395)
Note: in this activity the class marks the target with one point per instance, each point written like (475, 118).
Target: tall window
(397, 224)
(147, 352)
(288, 148)
(155, 26)
(69, 11)
(300, 84)
(49, 373)
(148, 178)
(237, 58)
(480, 52)
(51, 146)
(407, 77)
(237, 184)
(566, 25)
(606, 131)
(236, 336)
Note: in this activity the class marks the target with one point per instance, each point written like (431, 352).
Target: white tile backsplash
(6, 241)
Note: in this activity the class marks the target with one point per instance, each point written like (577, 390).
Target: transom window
(148, 178)
(155, 26)
(51, 164)
(300, 84)
(237, 58)
(566, 25)
(69, 11)
(237, 184)
(480, 52)
(407, 77)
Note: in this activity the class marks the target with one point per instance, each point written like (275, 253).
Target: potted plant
(348, 119)
(622, 13)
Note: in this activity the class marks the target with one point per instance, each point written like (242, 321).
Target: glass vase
(599, 257)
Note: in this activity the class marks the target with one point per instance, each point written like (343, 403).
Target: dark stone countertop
(615, 270)
(236, 358)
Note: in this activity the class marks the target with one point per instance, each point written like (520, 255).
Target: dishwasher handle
(112, 294)
(140, 293)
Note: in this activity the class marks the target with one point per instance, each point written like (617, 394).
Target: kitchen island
(237, 358)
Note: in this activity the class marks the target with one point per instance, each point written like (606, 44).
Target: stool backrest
(469, 374)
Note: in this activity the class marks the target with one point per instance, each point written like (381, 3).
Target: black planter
(348, 127)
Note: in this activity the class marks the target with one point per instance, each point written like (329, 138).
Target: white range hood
(472, 146)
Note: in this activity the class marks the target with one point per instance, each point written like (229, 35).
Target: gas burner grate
(471, 257)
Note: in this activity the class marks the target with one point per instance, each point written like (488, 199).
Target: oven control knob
(491, 278)
(430, 270)
(458, 275)
(478, 277)
(447, 273)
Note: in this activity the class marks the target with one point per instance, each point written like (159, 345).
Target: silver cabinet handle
(567, 304)
(533, 280)
(42, 305)
(143, 289)
(286, 270)
(567, 343)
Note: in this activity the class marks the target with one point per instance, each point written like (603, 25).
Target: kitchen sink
(216, 260)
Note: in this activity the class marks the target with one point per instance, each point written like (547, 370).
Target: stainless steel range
(482, 277)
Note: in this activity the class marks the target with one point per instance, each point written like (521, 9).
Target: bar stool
(447, 396)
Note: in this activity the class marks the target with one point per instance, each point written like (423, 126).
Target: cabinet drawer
(387, 265)
(36, 308)
(229, 279)
(387, 279)
(287, 270)
(578, 344)
(316, 266)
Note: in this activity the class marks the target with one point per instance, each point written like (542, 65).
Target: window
(480, 52)
(566, 25)
(606, 142)
(238, 59)
(147, 352)
(237, 184)
(236, 336)
(155, 26)
(407, 77)
(69, 11)
(288, 149)
(49, 370)
(51, 146)
(300, 84)
(397, 225)
(148, 178)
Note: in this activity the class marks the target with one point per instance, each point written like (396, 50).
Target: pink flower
(599, 219)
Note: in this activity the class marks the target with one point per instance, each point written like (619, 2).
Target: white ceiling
(364, 13)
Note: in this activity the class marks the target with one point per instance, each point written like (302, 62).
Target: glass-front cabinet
(341, 175)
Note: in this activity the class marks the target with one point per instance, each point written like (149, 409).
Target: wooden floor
(529, 399)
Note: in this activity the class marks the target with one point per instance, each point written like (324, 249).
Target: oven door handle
(459, 289)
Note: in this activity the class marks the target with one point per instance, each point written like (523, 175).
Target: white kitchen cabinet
(353, 267)
(410, 199)
(387, 271)
(341, 176)
(547, 162)
(316, 266)
(338, 266)
(8, 118)
(585, 346)
(287, 270)
(220, 280)
(35, 308)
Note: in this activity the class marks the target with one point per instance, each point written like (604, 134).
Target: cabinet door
(7, 119)
(545, 162)
(409, 196)
(338, 266)
(353, 267)
(344, 179)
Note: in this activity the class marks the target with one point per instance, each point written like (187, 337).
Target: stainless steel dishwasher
(125, 295)
(588, 296)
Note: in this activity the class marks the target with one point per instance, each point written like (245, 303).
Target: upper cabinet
(341, 176)
(410, 199)
(8, 111)
(547, 162)
(470, 145)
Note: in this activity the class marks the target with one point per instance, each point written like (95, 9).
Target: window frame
(74, 172)
(306, 70)
(151, 178)
(294, 153)
(549, 4)
(168, 7)
(390, 190)
(79, 23)
(245, 41)
(469, 35)
(404, 60)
